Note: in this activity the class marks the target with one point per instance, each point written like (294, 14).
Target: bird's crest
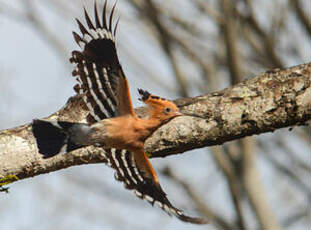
(150, 99)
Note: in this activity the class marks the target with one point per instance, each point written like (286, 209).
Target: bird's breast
(123, 133)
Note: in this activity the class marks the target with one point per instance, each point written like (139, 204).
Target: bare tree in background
(209, 45)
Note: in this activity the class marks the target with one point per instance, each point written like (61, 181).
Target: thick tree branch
(272, 100)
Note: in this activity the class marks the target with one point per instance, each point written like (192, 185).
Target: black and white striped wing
(101, 80)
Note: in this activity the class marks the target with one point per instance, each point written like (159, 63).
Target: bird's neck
(150, 125)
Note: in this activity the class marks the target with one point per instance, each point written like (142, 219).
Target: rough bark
(269, 101)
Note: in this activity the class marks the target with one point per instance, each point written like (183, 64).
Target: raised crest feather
(144, 94)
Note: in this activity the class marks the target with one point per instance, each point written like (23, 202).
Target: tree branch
(269, 101)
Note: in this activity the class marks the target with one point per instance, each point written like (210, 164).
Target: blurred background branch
(175, 48)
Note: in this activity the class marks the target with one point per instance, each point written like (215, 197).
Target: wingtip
(111, 16)
(173, 211)
(192, 220)
(82, 28)
(88, 19)
(97, 20)
(116, 27)
(104, 19)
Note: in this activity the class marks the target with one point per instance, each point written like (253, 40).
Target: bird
(112, 123)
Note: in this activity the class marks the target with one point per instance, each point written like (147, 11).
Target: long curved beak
(194, 115)
(177, 114)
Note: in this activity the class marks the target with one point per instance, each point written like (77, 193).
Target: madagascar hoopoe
(112, 123)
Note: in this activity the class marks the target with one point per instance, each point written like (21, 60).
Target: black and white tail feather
(97, 70)
(59, 137)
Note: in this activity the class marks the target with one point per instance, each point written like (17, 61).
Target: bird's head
(159, 108)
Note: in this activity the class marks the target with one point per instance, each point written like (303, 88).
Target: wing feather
(97, 20)
(101, 80)
(144, 187)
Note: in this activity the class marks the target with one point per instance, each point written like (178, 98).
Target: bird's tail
(54, 137)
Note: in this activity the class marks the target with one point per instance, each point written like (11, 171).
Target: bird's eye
(167, 110)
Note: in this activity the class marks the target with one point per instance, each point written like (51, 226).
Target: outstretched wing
(105, 90)
(128, 172)
(101, 79)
